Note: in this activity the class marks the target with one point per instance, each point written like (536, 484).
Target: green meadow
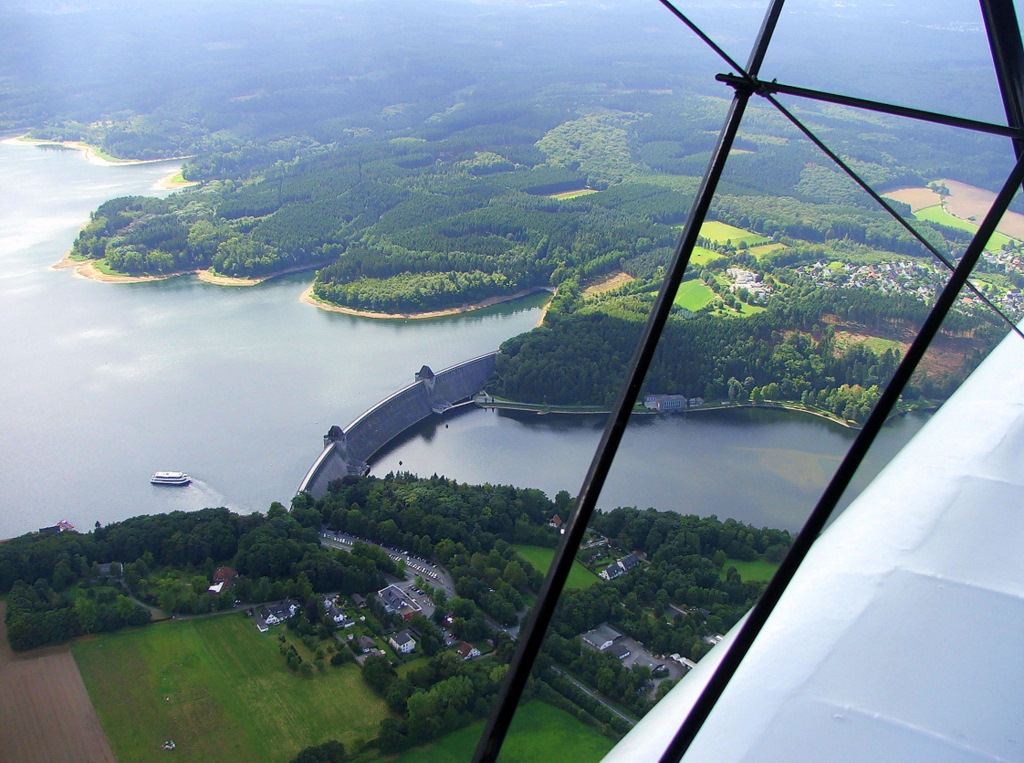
(539, 732)
(936, 214)
(758, 571)
(221, 691)
(721, 233)
(541, 558)
(693, 295)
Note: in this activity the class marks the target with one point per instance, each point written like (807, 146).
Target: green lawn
(720, 233)
(940, 216)
(693, 295)
(758, 571)
(540, 732)
(541, 558)
(221, 691)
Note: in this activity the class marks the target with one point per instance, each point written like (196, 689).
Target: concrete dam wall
(349, 450)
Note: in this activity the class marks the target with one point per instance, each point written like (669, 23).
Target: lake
(103, 384)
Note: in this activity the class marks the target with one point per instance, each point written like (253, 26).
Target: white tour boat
(170, 478)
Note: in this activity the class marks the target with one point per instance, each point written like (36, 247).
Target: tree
(331, 751)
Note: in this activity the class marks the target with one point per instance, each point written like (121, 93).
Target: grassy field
(940, 216)
(572, 194)
(540, 732)
(702, 256)
(763, 249)
(844, 339)
(540, 557)
(221, 691)
(720, 233)
(752, 572)
(693, 295)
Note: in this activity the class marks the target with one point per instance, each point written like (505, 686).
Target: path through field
(46, 712)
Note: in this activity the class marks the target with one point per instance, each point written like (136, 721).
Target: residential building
(402, 642)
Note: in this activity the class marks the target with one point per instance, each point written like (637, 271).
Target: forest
(412, 188)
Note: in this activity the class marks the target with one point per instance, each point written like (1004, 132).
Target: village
(379, 623)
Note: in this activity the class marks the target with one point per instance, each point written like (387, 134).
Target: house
(402, 642)
(224, 575)
(556, 522)
(395, 600)
(622, 566)
(602, 637)
(664, 403)
(221, 580)
(340, 618)
(629, 561)
(366, 644)
(261, 624)
(359, 601)
(272, 614)
(619, 650)
(611, 572)
(467, 651)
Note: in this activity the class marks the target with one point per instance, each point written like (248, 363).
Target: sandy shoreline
(308, 297)
(88, 269)
(93, 156)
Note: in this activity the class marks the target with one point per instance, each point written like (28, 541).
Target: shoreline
(93, 155)
(88, 269)
(541, 410)
(310, 299)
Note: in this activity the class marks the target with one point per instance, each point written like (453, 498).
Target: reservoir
(104, 384)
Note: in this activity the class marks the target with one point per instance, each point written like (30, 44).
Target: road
(595, 695)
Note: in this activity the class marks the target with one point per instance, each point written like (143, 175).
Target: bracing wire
(880, 200)
(751, 82)
(501, 716)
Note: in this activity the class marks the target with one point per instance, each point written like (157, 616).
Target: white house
(402, 642)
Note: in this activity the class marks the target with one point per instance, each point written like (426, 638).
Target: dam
(348, 451)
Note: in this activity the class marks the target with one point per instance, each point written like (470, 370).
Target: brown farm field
(970, 203)
(967, 202)
(46, 712)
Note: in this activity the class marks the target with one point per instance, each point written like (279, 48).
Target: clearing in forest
(572, 194)
(720, 233)
(693, 295)
(541, 558)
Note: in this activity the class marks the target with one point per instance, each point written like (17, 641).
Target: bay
(103, 384)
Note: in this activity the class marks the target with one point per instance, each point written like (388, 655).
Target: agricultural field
(937, 214)
(221, 691)
(540, 732)
(720, 233)
(693, 295)
(541, 558)
(46, 712)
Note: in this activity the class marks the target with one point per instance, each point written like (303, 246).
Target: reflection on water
(760, 466)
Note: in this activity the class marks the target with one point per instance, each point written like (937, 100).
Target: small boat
(170, 478)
